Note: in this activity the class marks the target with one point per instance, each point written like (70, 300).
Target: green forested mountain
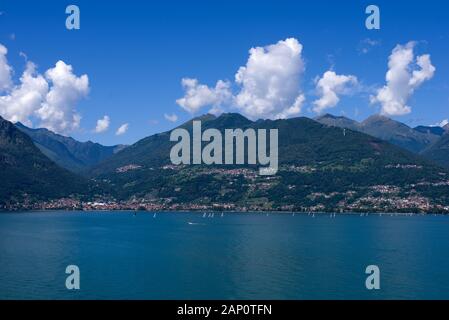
(26, 174)
(439, 151)
(319, 164)
(321, 167)
(67, 152)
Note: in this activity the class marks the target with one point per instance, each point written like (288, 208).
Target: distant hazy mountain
(439, 151)
(319, 165)
(395, 132)
(67, 152)
(438, 131)
(26, 174)
(398, 133)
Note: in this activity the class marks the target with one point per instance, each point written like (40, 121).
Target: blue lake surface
(237, 256)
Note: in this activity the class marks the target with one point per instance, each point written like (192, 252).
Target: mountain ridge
(27, 175)
(67, 152)
(386, 129)
(314, 159)
(321, 167)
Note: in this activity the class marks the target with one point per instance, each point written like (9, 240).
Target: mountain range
(413, 139)
(439, 151)
(321, 167)
(328, 164)
(68, 153)
(27, 175)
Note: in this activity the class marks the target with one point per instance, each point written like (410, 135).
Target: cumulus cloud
(405, 74)
(24, 99)
(5, 70)
(199, 95)
(268, 86)
(329, 86)
(102, 124)
(270, 81)
(171, 117)
(50, 99)
(57, 112)
(122, 129)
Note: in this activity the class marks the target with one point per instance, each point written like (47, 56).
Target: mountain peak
(330, 116)
(20, 124)
(378, 118)
(230, 120)
(337, 121)
(233, 116)
(66, 151)
(204, 117)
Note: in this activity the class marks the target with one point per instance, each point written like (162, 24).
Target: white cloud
(270, 81)
(24, 99)
(268, 85)
(425, 73)
(58, 110)
(122, 129)
(402, 80)
(199, 95)
(171, 117)
(102, 124)
(329, 86)
(49, 99)
(5, 70)
(295, 109)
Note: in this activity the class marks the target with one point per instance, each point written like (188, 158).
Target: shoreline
(319, 213)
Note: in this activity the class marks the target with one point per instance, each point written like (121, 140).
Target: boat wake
(195, 223)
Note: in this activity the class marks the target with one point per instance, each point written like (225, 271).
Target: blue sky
(135, 54)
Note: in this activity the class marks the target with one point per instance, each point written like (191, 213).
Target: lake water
(237, 256)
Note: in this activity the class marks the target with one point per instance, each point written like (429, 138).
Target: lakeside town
(384, 204)
(254, 195)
